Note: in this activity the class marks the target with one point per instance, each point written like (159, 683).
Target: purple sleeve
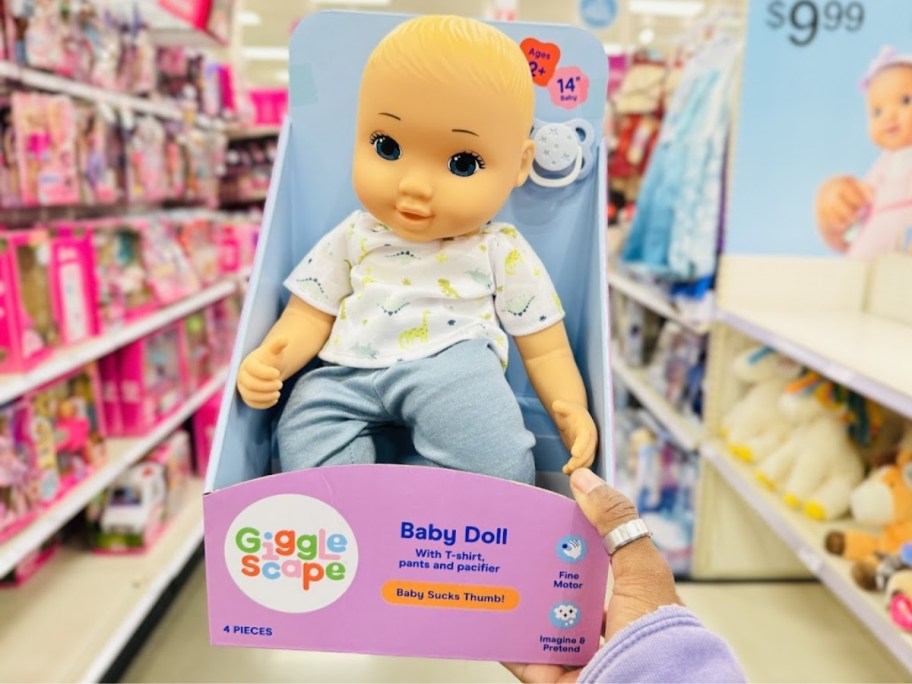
(669, 645)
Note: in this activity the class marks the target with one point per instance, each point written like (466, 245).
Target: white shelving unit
(122, 453)
(86, 606)
(854, 348)
(686, 432)
(654, 300)
(806, 538)
(42, 80)
(68, 359)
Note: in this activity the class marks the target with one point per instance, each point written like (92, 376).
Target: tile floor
(782, 632)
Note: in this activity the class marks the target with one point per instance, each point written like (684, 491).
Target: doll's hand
(578, 433)
(260, 376)
(840, 202)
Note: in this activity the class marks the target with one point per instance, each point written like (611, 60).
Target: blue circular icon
(598, 14)
(565, 615)
(571, 549)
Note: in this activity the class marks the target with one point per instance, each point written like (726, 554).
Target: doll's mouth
(413, 215)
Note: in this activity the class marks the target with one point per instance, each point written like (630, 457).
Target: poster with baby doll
(823, 160)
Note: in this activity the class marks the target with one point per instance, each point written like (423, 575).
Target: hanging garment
(675, 229)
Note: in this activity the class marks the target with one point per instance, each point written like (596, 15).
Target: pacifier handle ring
(563, 180)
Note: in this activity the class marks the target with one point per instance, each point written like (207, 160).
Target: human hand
(260, 376)
(643, 582)
(840, 202)
(578, 432)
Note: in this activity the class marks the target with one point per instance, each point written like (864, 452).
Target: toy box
(46, 148)
(225, 317)
(196, 234)
(170, 270)
(72, 281)
(29, 566)
(152, 374)
(175, 457)
(18, 472)
(66, 429)
(328, 559)
(130, 515)
(121, 289)
(28, 325)
(198, 333)
(203, 424)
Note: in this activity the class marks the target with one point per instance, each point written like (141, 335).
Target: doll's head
(889, 100)
(442, 137)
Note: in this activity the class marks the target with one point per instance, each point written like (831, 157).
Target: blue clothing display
(676, 225)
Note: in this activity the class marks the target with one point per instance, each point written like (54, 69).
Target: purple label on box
(403, 560)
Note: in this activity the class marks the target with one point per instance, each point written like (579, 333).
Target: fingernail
(585, 480)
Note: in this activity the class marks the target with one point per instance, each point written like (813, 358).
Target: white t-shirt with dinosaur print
(396, 300)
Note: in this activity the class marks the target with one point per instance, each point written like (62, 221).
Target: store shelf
(68, 359)
(71, 620)
(653, 299)
(52, 83)
(685, 431)
(860, 351)
(806, 538)
(122, 453)
(253, 133)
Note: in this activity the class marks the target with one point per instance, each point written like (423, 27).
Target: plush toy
(818, 465)
(755, 426)
(898, 588)
(883, 500)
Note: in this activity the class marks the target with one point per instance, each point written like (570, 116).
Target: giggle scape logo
(291, 553)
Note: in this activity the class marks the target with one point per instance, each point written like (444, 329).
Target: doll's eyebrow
(464, 130)
(392, 116)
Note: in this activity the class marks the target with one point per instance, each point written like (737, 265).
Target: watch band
(625, 533)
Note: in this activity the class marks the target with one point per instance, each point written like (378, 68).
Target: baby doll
(881, 204)
(401, 300)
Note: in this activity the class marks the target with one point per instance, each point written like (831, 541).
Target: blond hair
(438, 47)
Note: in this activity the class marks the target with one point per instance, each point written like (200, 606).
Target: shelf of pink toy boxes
(88, 606)
(121, 454)
(806, 538)
(70, 358)
(687, 432)
(41, 80)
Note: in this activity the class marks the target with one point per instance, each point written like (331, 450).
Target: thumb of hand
(604, 507)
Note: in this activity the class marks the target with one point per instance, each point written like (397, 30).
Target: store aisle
(820, 642)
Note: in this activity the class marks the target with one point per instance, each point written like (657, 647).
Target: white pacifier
(563, 152)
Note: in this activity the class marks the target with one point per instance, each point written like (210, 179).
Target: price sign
(803, 21)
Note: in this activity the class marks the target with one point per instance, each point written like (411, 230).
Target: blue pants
(457, 405)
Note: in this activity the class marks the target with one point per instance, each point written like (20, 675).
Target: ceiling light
(666, 8)
(265, 53)
(647, 35)
(353, 3)
(248, 18)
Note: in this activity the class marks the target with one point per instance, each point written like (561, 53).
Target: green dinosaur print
(366, 351)
(512, 260)
(447, 288)
(479, 277)
(519, 305)
(512, 232)
(419, 334)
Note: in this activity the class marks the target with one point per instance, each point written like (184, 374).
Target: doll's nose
(416, 184)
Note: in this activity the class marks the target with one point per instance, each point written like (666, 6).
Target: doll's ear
(525, 163)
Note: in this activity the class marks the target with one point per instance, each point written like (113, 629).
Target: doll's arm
(557, 381)
(293, 341)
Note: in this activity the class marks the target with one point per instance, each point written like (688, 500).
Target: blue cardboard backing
(311, 191)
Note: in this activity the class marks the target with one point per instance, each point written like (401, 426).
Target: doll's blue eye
(387, 147)
(465, 164)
